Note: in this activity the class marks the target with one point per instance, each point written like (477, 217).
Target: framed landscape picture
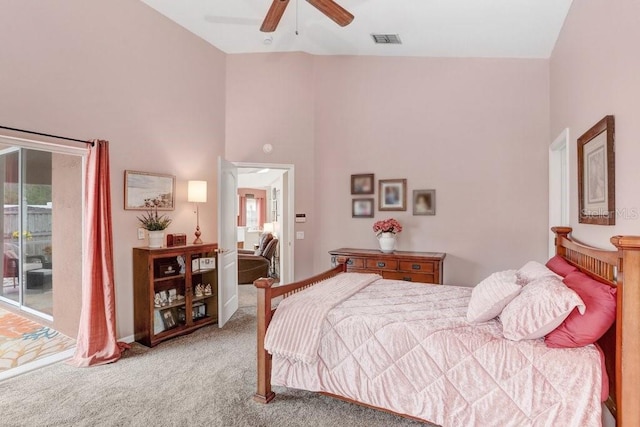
(392, 195)
(144, 190)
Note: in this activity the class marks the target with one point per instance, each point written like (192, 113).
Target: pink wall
(118, 71)
(270, 100)
(595, 71)
(476, 130)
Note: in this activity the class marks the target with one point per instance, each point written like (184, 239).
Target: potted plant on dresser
(155, 225)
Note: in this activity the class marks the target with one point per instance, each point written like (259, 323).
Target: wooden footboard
(266, 294)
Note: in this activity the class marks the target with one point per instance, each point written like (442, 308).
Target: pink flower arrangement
(389, 225)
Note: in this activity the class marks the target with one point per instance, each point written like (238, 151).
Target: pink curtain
(96, 343)
(242, 211)
(261, 207)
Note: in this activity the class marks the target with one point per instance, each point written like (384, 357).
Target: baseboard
(128, 339)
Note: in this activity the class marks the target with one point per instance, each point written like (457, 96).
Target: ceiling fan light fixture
(386, 38)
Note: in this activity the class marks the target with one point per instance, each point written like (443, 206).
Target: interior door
(227, 246)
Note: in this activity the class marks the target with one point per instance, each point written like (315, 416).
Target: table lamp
(197, 193)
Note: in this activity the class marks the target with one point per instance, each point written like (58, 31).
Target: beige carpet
(203, 379)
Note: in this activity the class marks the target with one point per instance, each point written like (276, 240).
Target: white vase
(156, 238)
(387, 242)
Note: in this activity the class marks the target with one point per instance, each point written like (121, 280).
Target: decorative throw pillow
(541, 306)
(531, 271)
(560, 266)
(579, 330)
(491, 295)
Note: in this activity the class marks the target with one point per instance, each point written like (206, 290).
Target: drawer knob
(349, 262)
(407, 279)
(381, 264)
(415, 267)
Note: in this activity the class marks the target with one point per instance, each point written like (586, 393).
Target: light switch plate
(299, 235)
(140, 233)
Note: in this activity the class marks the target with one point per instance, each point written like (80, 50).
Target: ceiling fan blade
(274, 14)
(333, 10)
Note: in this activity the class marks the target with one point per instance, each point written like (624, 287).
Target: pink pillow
(560, 266)
(579, 330)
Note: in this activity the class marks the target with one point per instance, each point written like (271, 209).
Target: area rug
(23, 341)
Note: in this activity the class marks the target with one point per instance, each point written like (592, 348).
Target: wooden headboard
(621, 345)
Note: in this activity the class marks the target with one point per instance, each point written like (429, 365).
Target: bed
(620, 346)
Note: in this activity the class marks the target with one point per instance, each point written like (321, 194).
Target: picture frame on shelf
(362, 183)
(392, 195)
(169, 318)
(424, 202)
(362, 208)
(596, 174)
(145, 190)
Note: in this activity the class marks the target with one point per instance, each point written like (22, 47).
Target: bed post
(561, 232)
(263, 393)
(628, 338)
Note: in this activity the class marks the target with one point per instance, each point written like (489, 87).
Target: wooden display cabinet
(424, 267)
(167, 299)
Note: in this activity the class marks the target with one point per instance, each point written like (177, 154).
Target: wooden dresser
(425, 267)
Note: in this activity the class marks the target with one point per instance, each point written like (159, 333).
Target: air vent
(386, 38)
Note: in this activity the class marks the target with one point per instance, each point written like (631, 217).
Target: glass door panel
(27, 229)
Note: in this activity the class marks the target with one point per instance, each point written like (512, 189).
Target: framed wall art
(424, 202)
(392, 195)
(144, 190)
(362, 208)
(596, 174)
(362, 184)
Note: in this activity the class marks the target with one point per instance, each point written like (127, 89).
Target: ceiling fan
(330, 8)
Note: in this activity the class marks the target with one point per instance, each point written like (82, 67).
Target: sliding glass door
(27, 217)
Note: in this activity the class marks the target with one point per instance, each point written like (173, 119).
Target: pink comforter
(408, 348)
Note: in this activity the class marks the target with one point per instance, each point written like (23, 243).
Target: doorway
(277, 183)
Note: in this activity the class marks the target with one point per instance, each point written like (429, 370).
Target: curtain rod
(49, 135)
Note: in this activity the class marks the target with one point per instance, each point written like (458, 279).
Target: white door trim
(559, 155)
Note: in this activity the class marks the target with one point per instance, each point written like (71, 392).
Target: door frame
(559, 185)
(286, 244)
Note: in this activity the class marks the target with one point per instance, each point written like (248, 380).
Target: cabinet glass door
(204, 304)
(169, 294)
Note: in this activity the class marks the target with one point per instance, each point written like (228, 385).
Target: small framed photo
(362, 208)
(362, 184)
(392, 195)
(424, 202)
(169, 318)
(596, 174)
(144, 190)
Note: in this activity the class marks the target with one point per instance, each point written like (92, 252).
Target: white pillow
(540, 308)
(489, 297)
(531, 271)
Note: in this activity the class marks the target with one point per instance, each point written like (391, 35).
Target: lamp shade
(197, 191)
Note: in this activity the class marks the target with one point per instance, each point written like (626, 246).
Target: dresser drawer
(381, 264)
(418, 266)
(410, 277)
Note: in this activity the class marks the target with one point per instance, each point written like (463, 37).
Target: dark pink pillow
(560, 266)
(578, 329)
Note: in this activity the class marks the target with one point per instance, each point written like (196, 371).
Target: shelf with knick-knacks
(175, 291)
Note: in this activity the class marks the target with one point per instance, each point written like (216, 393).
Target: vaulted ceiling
(433, 28)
